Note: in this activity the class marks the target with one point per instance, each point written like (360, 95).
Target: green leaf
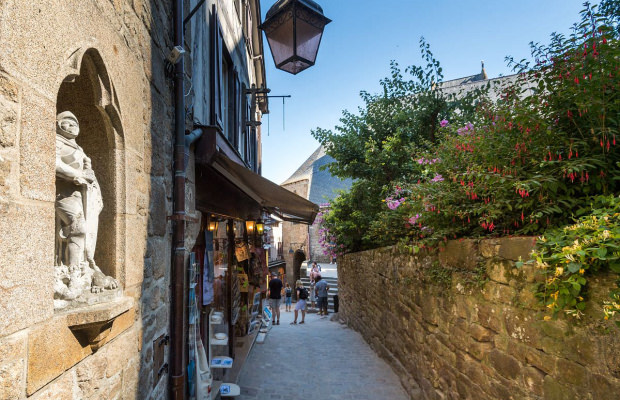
(615, 267)
(581, 306)
(574, 267)
(601, 253)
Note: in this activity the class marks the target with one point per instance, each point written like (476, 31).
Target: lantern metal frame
(280, 13)
(260, 227)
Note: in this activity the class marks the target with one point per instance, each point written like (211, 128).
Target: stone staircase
(333, 290)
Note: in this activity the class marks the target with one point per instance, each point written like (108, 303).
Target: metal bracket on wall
(159, 352)
(186, 218)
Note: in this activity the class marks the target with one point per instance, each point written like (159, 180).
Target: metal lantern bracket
(258, 93)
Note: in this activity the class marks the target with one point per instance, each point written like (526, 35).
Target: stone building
(89, 190)
(318, 185)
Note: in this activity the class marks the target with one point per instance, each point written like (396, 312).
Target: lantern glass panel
(249, 226)
(308, 40)
(281, 42)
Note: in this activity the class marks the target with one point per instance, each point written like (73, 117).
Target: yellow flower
(547, 318)
(606, 234)
(582, 271)
(559, 271)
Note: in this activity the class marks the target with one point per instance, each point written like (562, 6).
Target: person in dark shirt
(321, 288)
(275, 296)
(288, 299)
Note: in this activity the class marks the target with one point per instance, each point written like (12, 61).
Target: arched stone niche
(90, 95)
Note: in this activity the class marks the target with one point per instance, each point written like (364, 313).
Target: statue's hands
(87, 176)
(80, 181)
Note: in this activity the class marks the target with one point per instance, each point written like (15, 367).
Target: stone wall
(316, 250)
(43, 45)
(294, 235)
(466, 325)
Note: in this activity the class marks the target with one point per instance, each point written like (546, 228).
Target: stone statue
(78, 205)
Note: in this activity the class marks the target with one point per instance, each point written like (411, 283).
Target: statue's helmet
(67, 125)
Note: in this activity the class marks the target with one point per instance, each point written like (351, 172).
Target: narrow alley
(320, 359)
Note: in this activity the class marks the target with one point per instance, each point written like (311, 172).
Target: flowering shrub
(375, 149)
(327, 240)
(567, 256)
(532, 159)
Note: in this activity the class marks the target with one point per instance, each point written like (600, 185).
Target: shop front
(231, 262)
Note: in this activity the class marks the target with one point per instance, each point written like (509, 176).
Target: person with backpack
(288, 291)
(302, 297)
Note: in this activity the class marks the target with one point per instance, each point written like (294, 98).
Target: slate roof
(462, 86)
(322, 185)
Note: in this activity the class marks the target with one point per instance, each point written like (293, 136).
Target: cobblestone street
(320, 359)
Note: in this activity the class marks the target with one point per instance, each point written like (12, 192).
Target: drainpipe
(189, 140)
(177, 312)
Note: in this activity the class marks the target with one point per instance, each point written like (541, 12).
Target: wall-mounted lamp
(260, 227)
(213, 225)
(294, 29)
(249, 227)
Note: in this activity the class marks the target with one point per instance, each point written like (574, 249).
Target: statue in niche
(78, 205)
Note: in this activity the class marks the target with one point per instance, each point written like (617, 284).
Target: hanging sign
(242, 252)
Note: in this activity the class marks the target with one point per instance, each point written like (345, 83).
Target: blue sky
(365, 35)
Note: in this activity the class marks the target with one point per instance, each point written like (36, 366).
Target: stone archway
(91, 97)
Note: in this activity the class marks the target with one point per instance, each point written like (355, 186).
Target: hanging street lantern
(249, 227)
(213, 225)
(260, 227)
(294, 29)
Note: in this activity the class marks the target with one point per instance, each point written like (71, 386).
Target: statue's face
(69, 128)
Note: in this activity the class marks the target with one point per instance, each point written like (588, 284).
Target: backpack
(303, 293)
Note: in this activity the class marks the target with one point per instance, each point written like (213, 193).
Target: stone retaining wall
(466, 325)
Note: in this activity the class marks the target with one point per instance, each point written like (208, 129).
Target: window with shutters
(216, 70)
(230, 105)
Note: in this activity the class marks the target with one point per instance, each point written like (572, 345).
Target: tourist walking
(288, 297)
(321, 288)
(314, 272)
(302, 297)
(275, 297)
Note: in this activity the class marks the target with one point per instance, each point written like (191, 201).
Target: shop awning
(270, 197)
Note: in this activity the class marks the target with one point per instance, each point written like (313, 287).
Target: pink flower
(414, 219)
(393, 203)
(443, 123)
(437, 178)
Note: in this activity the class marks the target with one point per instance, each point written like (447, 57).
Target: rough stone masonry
(466, 325)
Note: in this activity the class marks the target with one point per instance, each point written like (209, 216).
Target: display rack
(226, 389)
(215, 319)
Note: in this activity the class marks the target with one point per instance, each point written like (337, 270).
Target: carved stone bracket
(92, 325)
